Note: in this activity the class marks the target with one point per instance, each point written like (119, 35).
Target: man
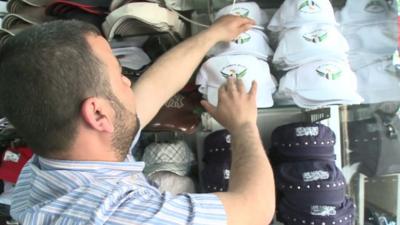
(62, 88)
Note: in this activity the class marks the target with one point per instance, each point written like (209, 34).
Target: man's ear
(97, 113)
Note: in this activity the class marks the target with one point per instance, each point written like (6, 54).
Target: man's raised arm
(172, 70)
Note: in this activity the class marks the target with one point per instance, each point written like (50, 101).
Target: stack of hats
(22, 14)
(168, 165)
(244, 58)
(371, 28)
(217, 161)
(311, 189)
(314, 52)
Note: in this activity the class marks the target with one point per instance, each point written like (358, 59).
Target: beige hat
(6, 34)
(143, 18)
(32, 16)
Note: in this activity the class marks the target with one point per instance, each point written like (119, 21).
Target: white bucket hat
(142, 18)
(252, 42)
(321, 83)
(214, 72)
(366, 11)
(309, 43)
(246, 9)
(296, 13)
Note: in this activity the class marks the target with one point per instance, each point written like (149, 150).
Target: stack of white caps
(245, 9)
(243, 58)
(371, 28)
(367, 11)
(378, 82)
(309, 43)
(314, 51)
(296, 13)
(252, 42)
(321, 83)
(215, 71)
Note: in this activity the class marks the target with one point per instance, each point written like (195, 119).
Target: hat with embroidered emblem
(365, 11)
(175, 157)
(296, 13)
(252, 42)
(309, 43)
(215, 71)
(310, 182)
(321, 83)
(320, 214)
(302, 141)
(245, 9)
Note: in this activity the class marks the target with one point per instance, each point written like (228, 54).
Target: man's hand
(228, 27)
(235, 108)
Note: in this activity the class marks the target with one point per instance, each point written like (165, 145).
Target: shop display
(323, 56)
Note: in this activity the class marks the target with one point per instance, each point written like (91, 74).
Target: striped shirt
(60, 192)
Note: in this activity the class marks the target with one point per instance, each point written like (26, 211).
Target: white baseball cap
(296, 13)
(321, 83)
(380, 37)
(142, 18)
(366, 11)
(252, 42)
(309, 43)
(246, 9)
(214, 71)
(378, 82)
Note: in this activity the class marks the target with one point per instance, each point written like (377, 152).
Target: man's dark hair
(46, 72)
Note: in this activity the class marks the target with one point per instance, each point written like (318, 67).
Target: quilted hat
(174, 157)
(311, 182)
(301, 141)
(342, 214)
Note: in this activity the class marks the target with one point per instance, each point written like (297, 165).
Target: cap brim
(264, 97)
(181, 170)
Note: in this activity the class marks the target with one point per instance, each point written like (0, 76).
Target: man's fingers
(253, 89)
(210, 108)
(240, 86)
(230, 85)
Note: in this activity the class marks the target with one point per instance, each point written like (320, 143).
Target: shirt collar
(129, 164)
(53, 164)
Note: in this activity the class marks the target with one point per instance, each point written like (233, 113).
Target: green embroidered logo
(242, 38)
(316, 36)
(375, 6)
(234, 70)
(329, 71)
(243, 12)
(309, 6)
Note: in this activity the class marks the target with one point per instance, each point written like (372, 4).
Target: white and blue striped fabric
(60, 192)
